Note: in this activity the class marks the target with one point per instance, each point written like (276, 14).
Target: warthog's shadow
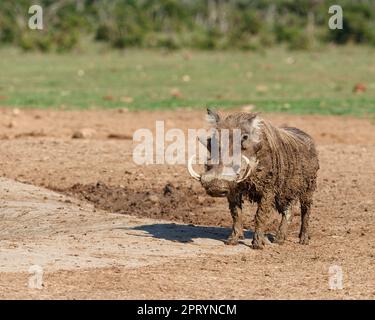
(186, 233)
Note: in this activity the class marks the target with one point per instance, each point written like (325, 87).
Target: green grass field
(276, 80)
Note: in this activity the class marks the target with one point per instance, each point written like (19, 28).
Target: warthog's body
(284, 170)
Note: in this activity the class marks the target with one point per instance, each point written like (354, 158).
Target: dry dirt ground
(102, 227)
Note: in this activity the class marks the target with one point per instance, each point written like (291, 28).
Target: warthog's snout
(217, 185)
(220, 180)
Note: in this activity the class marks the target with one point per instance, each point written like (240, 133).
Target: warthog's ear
(252, 127)
(212, 116)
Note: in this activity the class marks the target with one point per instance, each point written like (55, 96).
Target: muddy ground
(103, 227)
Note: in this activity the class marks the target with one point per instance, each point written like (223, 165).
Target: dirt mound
(176, 203)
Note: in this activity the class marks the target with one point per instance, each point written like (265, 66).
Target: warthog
(279, 167)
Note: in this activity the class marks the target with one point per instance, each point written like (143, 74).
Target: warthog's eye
(244, 139)
(207, 166)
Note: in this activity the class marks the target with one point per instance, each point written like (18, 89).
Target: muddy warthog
(279, 167)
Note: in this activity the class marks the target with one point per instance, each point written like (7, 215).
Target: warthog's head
(221, 177)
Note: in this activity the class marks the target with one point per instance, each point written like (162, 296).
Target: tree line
(175, 24)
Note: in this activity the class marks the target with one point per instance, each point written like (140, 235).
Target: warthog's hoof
(256, 245)
(231, 241)
(259, 241)
(304, 239)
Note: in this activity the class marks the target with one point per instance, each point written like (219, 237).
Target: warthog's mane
(286, 137)
(275, 137)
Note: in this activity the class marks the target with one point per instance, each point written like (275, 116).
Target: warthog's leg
(235, 206)
(283, 228)
(306, 202)
(261, 217)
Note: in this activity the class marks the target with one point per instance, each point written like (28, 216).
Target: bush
(300, 42)
(206, 40)
(168, 41)
(7, 34)
(103, 33)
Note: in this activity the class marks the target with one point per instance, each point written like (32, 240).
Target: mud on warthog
(282, 170)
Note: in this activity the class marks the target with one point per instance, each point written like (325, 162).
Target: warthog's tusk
(250, 165)
(195, 175)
